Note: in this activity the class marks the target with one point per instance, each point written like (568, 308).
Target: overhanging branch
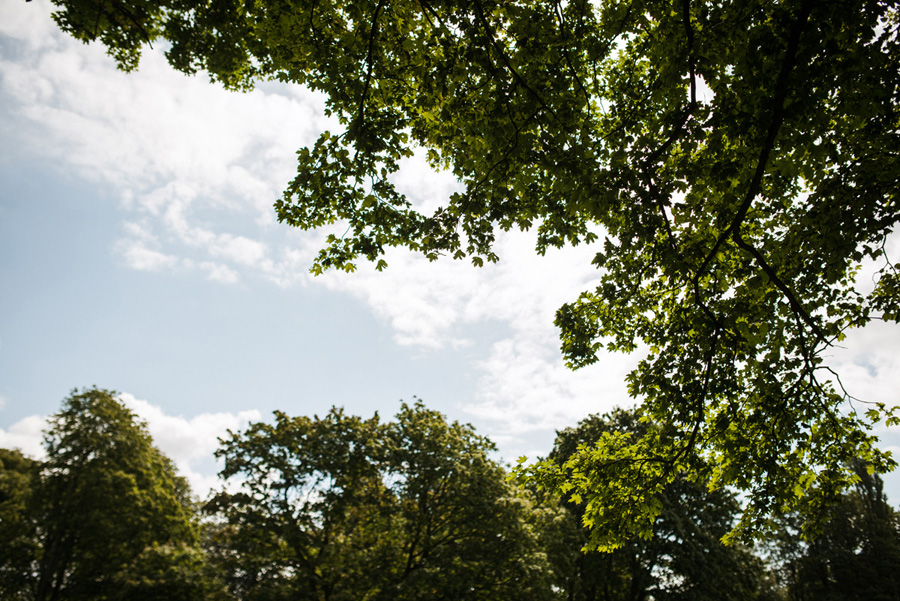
(733, 230)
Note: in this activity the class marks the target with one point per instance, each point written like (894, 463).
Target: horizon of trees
(346, 507)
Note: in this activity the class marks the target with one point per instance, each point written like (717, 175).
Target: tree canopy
(684, 558)
(734, 163)
(342, 507)
(18, 529)
(856, 555)
(103, 497)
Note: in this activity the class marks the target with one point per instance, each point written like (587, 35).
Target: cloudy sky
(139, 252)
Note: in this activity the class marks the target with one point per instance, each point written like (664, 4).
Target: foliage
(169, 572)
(855, 557)
(740, 160)
(683, 559)
(347, 508)
(19, 548)
(104, 496)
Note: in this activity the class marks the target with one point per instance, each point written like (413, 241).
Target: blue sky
(139, 252)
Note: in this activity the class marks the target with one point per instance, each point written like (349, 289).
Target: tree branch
(370, 63)
(733, 229)
(487, 28)
(565, 53)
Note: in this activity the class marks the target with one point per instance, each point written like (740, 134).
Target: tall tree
(466, 532)
(105, 495)
(739, 159)
(683, 559)
(347, 508)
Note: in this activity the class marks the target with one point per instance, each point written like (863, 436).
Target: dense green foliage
(18, 534)
(170, 572)
(83, 518)
(345, 508)
(683, 559)
(104, 496)
(857, 555)
(740, 160)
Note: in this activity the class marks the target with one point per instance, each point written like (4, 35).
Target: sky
(139, 252)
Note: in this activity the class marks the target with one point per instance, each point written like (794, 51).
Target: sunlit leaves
(684, 557)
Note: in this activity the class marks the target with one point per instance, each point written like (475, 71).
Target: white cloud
(868, 363)
(190, 441)
(192, 163)
(139, 257)
(524, 386)
(29, 26)
(218, 272)
(25, 435)
(868, 360)
(421, 300)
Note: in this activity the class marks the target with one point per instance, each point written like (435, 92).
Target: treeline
(348, 508)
